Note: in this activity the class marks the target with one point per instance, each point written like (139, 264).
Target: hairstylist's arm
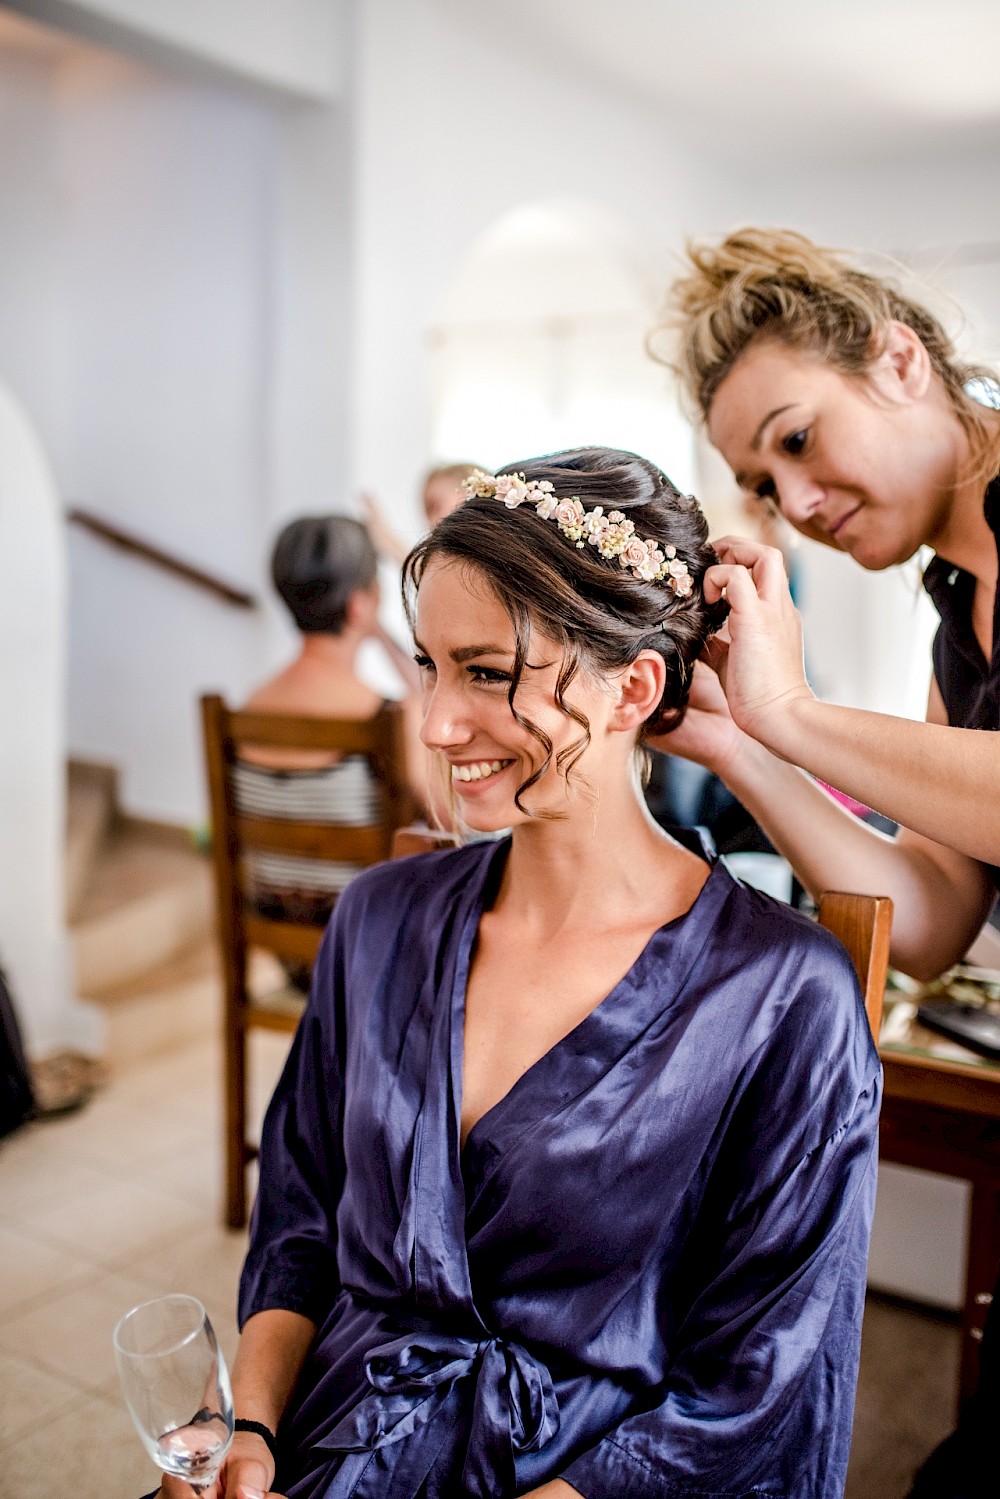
(941, 898)
(272, 1350)
(937, 780)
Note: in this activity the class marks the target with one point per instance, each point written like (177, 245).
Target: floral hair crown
(613, 535)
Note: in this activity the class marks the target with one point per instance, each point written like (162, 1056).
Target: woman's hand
(247, 1473)
(764, 674)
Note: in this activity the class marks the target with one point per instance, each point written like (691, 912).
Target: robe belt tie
(514, 1407)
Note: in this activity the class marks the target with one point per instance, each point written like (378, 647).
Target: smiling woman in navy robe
(567, 1185)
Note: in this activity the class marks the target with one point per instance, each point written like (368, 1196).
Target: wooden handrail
(127, 541)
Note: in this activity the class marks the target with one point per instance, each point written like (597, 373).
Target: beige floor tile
(205, 1263)
(70, 1335)
(115, 1222)
(192, 1176)
(90, 1451)
(29, 1397)
(116, 1138)
(189, 1071)
(33, 1269)
(34, 1175)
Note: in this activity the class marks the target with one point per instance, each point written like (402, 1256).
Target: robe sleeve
(759, 1398)
(291, 1263)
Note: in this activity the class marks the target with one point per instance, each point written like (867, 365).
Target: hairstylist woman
(840, 401)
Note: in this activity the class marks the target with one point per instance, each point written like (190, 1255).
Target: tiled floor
(101, 1210)
(98, 1211)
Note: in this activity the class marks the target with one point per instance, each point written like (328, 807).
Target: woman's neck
(606, 863)
(330, 652)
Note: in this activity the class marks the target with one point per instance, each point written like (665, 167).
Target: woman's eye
(795, 442)
(424, 662)
(765, 490)
(489, 675)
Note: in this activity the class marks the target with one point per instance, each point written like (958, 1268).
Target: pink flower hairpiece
(613, 535)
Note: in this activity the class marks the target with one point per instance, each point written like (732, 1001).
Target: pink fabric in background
(858, 808)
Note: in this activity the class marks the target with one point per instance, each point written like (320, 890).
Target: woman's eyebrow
(755, 440)
(465, 653)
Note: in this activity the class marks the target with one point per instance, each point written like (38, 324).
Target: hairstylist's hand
(247, 1473)
(764, 674)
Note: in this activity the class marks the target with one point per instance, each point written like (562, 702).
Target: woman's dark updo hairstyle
(600, 614)
(317, 563)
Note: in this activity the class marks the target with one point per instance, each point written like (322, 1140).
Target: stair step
(90, 812)
(148, 898)
(170, 1006)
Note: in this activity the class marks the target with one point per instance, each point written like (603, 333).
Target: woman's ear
(902, 372)
(640, 687)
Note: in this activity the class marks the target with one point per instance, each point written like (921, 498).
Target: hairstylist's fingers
(726, 547)
(765, 563)
(732, 582)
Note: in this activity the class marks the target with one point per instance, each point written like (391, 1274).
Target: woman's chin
(486, 814)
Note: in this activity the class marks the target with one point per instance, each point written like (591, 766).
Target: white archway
(539, 344)
(34, 949)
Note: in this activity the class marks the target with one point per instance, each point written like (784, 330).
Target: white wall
(450, 137)
(33, 322)
(294, 45)
(174, 314)
(34, 950)
(168, 192)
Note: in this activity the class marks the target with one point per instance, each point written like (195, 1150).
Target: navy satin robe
(644, 1273)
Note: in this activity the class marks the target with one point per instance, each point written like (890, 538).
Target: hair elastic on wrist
(261, 1430)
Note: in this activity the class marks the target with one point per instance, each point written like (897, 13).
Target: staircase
(140, 913)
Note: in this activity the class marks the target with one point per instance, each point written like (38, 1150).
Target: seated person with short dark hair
(324, 568)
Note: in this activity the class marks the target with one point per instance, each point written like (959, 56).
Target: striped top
(345, 794)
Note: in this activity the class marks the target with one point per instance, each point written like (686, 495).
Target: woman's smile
(468, 773)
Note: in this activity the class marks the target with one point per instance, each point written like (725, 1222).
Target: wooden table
(942, 1114)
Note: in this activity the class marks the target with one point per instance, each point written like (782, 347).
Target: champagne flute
(176, 1387)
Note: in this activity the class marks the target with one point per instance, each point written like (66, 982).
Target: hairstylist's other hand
(764, 675)
(707, 734)
(247, 1473)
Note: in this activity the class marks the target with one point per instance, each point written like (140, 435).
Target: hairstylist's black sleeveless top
(970, 685)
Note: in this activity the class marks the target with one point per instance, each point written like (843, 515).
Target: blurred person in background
(324, 568)
(441, 494)
(841, 401)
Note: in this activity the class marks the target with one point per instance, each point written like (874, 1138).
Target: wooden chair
(234, 835)
(863, 923)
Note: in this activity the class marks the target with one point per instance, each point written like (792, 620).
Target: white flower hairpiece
(613, 535)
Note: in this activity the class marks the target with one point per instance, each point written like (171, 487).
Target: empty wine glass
(176, 1387)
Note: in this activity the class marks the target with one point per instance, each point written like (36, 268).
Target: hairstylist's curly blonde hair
(773, 283)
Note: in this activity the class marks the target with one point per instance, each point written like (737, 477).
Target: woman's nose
(443, 726)
(798, 497)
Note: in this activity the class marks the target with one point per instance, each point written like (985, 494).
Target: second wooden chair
(238, 836)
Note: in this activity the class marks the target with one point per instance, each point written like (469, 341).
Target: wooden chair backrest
(863, 923)
(235, 833)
